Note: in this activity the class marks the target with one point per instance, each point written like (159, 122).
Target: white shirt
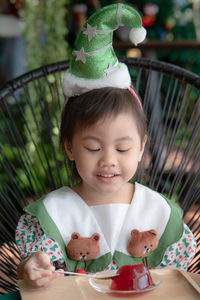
(110, 218)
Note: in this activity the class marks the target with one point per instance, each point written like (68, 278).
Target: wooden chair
(31, 161)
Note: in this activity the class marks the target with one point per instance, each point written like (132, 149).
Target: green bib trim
(38, 210)
(169, 237)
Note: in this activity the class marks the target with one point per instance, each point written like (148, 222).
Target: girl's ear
(142, 147)
(68, 150)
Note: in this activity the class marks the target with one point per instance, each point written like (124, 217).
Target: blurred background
(38, 32)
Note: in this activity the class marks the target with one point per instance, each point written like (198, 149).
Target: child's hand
(36, 278)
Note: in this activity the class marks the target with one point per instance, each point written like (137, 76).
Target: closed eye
(93, 150)
(122, 150)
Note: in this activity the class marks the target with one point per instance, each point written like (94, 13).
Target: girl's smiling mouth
(107, 177)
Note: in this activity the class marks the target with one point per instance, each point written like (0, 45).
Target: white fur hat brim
(74, 86)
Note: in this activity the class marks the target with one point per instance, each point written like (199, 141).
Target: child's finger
(58, 275)
(39, 259)
(32, 274)
(43, 277)
(43, 261)
(46, 281)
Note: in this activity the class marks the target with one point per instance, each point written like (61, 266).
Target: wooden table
(175, 284)
(195, 277)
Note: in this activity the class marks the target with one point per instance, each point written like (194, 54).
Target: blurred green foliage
(45, 34)
(45, 31)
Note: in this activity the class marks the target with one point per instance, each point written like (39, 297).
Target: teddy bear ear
(134, 232)
(153, 232)
(75, 236)
(95, 236)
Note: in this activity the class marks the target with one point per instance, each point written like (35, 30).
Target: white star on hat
(110, 69)
(80, 55)
(90, 31)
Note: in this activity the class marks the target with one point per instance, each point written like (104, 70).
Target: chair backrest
(32, 163)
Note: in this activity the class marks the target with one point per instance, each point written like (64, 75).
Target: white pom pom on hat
(137, 35)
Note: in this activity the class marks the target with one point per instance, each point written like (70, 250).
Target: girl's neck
(92, 198)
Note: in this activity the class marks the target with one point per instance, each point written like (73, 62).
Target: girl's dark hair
(85, 110)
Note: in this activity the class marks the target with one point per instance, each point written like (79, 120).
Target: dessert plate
(103, 286)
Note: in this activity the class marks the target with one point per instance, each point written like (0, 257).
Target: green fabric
(49, 227)
(130, 17)
(95, 66)
(169, 237)
(105, 19)
(11, 296)
(94, 44)
(95, 265)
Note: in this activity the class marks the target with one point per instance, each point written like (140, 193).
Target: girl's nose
(107, 159)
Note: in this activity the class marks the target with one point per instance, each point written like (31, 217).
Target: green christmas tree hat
(94, 63)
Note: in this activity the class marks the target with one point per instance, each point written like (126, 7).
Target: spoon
(95, 275)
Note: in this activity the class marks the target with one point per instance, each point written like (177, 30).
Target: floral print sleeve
(180, 254)
(31, 238)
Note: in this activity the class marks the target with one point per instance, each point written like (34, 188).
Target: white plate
(103, 286)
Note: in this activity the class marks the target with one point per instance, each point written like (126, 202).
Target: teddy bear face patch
(142, 243)
(83, 248)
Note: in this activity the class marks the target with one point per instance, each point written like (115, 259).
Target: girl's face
(107, 153)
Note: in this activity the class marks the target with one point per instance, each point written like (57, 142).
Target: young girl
(89, 226)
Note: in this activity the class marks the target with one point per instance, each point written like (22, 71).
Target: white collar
(148, 210)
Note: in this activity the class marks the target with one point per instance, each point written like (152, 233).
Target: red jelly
(81, 271)
(132, 277)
